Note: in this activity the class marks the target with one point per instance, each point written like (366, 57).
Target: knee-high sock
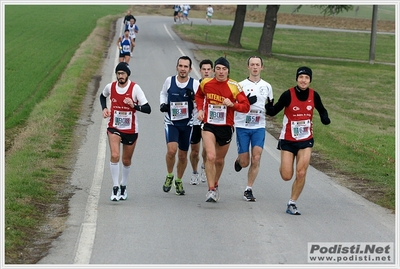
(114, 168)
(125, 174)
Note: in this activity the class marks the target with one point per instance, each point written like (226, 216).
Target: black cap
(304, 70)
(122, 66)
(223, 61)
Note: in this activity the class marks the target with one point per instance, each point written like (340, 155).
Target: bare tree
(267, 36)
(237, 28)
(372, 44)
(270, 21)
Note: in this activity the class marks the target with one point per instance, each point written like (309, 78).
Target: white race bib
(301, 129)
(122, 120)
(253, 118)
(217, 114)
(179, 110)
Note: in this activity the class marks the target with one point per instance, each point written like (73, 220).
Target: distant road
(287, 26)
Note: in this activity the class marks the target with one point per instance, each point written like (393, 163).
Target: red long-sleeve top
(212, 91)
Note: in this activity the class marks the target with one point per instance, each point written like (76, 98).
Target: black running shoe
(237, 166)
(248, 196)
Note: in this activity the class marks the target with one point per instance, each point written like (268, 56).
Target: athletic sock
(114, 169)
(291, 202)
(125, 174)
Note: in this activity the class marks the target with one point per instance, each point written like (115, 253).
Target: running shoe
(179, 188)
(203, 176)
(248, 196)
(194, 180)
(115, 194)
(124, 193)
(237, 166)
(292, 209)
(211, 196)
(216, 192)
(168, 183)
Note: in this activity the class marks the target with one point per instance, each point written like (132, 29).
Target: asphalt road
(153, 227)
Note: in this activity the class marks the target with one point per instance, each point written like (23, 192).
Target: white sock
(114, 169)
(125, 174)
(293, 202)
(248, 188)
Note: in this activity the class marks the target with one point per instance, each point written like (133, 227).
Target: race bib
(217, 114)
(126, 48)
(179, 110)
(253, 118)
(122, 120)
(301, 129)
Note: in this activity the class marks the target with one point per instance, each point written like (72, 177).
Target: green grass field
(43, 86)
(38, 54)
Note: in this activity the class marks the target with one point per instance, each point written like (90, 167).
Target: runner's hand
(164, 107)
(252, 99)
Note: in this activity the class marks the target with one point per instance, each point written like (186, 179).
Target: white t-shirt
(210, 11)
(255, 118)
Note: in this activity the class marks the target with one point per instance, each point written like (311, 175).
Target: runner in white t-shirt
(250, 127)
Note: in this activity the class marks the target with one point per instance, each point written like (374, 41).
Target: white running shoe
(217, 193)
(211, 196)
(124, 193)
(194, 180)
(115, 194)
(203, 176)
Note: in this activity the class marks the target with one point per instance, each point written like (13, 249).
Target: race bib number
(217, 114)
(253, 118)
(179, 110)
(122, 120)
(301, 129)
(126, 48)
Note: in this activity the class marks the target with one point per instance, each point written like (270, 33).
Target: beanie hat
(223, 61)
(304, 70)
(122, 66)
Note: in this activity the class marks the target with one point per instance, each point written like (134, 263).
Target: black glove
(164, 107)
(137, 107)
(190, 93)
(252, 99)
(325, 119)
(269, 106)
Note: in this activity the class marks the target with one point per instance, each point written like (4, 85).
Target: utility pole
(372, 46)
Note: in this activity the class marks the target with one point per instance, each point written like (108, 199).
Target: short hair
(257, 57)
(185, 58)
(206, 61)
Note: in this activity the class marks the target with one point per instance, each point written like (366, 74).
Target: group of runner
(126, 42)
(210, 110)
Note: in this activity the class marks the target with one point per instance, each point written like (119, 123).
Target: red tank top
(297, 120)
(122, 115)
